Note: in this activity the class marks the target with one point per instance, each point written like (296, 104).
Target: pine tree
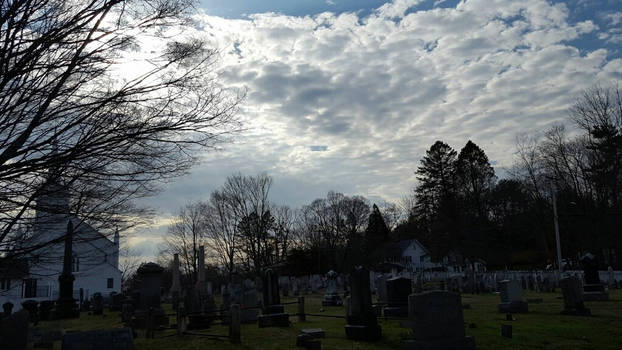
(435, 195)
(475, 177)
(376, 233)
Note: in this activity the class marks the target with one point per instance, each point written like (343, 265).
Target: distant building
(95, 263)
(411, 255)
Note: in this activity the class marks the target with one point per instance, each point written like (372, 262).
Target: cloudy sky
(347, 95)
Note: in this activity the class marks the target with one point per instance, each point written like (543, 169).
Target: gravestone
(331, 297)
(295, 286)
(45, 309)
(249, 307)
(127, 312)
(398, 290)
(437, 322)
(285, 286)
(226, 298)
(593, 290)
(32, 306)
(511, 297)
(360, 316)
(274, 312)
(116, 301)
(200, 303)
(150, 275)
(176, 283)
(108, 339)
(381, 289)
(98, 304)
(573, 297)
(7, 309)
(14, 331)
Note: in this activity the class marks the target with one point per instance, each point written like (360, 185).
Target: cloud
(381, 88)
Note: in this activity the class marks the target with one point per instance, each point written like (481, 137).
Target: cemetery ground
(542, 328)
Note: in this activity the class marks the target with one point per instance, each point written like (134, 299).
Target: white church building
(95, 258)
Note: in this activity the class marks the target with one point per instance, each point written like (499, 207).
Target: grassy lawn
(542, 328)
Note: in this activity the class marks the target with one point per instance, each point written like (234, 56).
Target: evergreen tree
(474, 179)
(376, 232)
(435, 195)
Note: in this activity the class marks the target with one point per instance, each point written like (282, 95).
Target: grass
(542, 328)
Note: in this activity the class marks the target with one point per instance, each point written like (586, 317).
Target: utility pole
(555, 221)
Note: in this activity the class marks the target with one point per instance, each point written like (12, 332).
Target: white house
(95, 258)
(413, 256)
(410, 254)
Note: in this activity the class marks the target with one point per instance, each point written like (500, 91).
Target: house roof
(402, 245)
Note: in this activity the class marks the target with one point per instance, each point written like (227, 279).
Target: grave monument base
(513, 307)
(577, 312)
(595, 292)
(366, 333)
(273, 320)
(466, 343)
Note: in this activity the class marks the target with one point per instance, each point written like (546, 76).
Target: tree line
(459, 209)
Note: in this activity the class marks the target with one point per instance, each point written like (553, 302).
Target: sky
(347, 95)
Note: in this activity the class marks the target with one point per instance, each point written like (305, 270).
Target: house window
(5, 284)
(105, 257)
(110, 283)
(30, 288)
(421, 258)
(75, 263)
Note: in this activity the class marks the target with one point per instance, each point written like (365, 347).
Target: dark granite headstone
(511, 297)
(32, 306)
(98, 304)
(127, 312)
(573, 297)
(116, 301)
(273, 312)
(108, 339)
(593, 290)
(360, 316)
(437, 322)
(45, 309)
(398, 290)
(7, 309)
(150, 275)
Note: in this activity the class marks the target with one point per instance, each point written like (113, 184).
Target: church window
(30, 288)
(110, 283)
(5, 284)
(75, 263)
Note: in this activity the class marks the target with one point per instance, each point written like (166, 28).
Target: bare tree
(73, 114)
(221, 230)
(186, 233)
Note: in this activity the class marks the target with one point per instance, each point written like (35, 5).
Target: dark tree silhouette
(71, 113)
(376, 233)
(435, 208)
